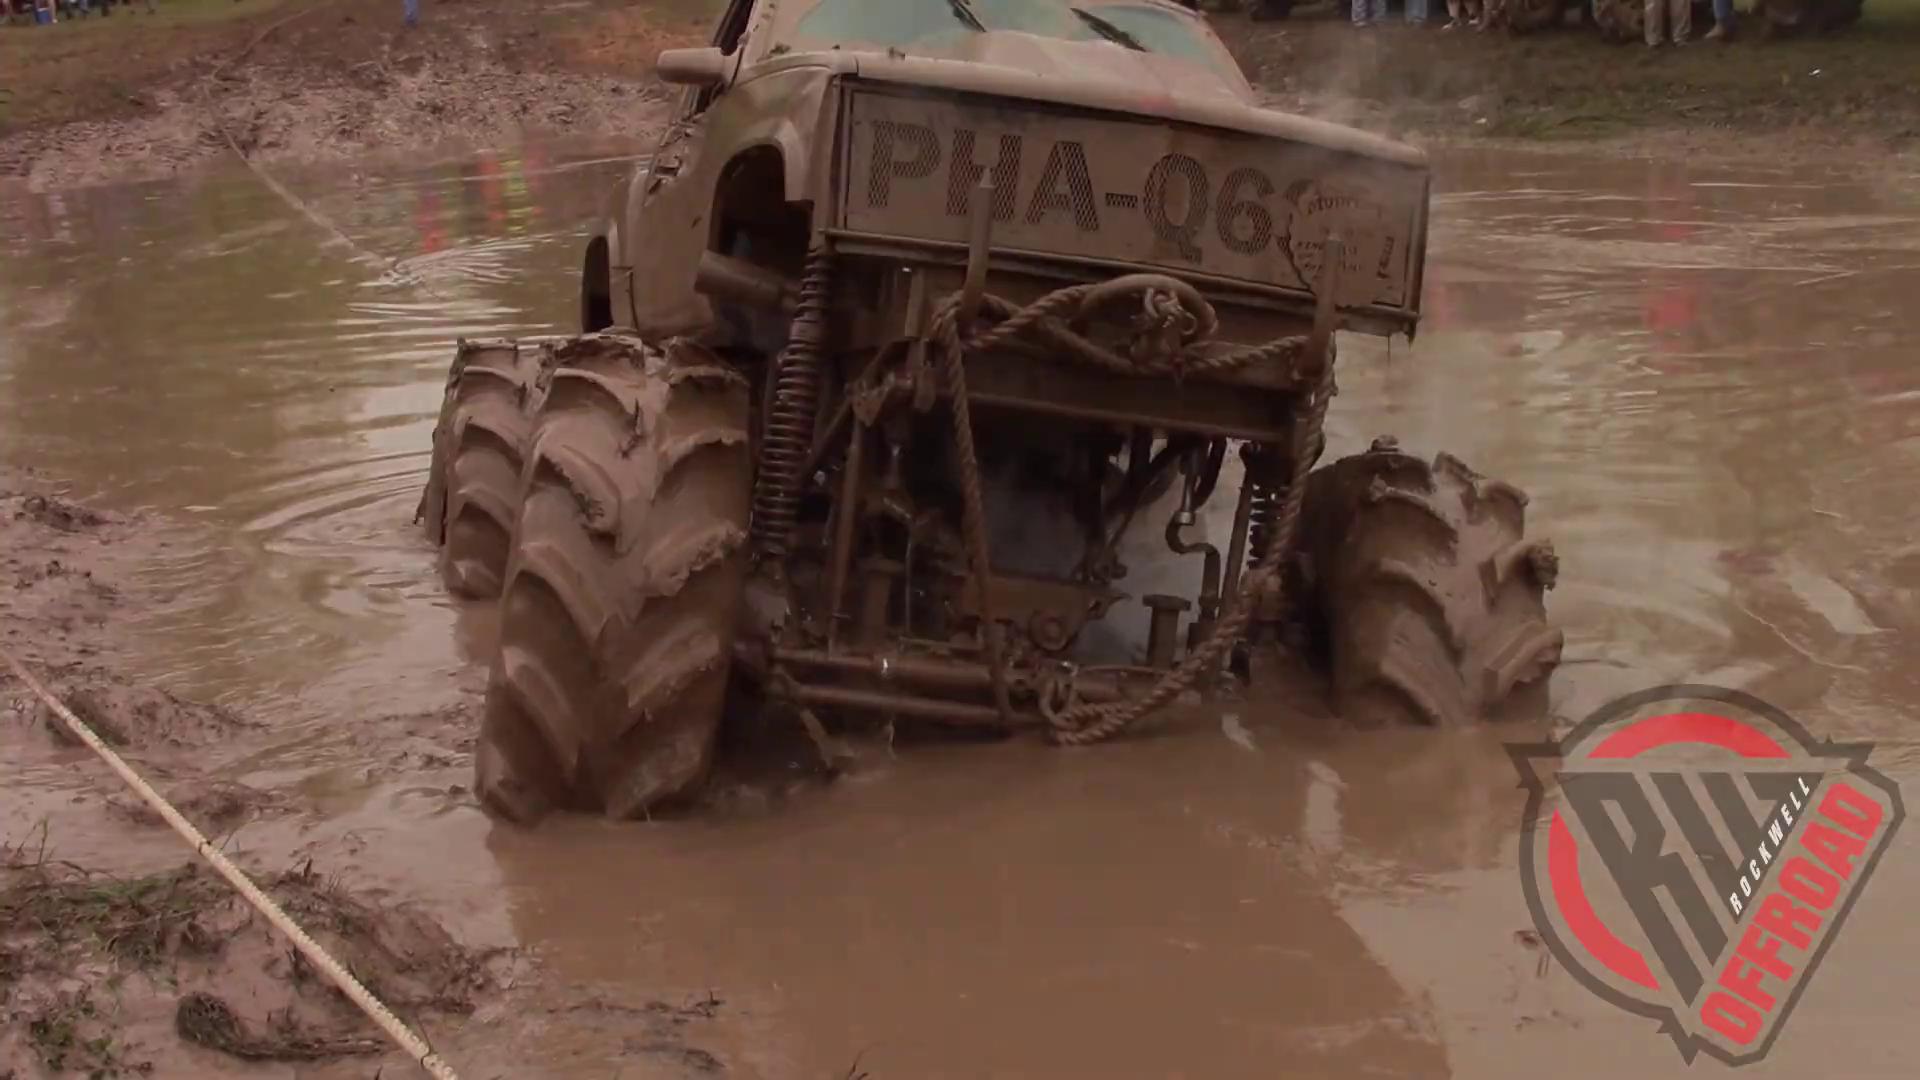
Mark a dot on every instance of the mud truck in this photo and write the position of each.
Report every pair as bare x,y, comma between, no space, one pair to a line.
916,314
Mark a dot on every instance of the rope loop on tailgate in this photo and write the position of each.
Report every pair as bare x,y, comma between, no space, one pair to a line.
1170,336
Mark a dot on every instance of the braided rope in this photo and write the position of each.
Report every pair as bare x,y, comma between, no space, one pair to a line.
1093,722
1043,320
396,1029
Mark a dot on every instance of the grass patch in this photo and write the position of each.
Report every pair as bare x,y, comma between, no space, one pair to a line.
60,1034
134,920
82,953
1569,83
60,906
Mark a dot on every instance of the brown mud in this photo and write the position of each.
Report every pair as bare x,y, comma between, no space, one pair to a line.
98,969
321,80
133,959
1701,372
112,974
318,80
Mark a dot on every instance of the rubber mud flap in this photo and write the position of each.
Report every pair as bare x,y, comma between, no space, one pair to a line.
623,588
1425,590
479,447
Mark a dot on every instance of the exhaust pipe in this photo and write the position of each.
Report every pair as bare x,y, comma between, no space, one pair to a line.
724,277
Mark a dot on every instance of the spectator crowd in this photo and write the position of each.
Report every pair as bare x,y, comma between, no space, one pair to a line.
1659,22
52,11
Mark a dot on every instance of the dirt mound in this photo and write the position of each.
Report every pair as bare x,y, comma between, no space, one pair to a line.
627,40
291,114
125,714
58,513
59,562
211,805
345,79
90,964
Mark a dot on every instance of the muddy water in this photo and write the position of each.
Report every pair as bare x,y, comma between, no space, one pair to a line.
1704,376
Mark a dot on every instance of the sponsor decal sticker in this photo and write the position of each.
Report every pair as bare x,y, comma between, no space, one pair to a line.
1690,853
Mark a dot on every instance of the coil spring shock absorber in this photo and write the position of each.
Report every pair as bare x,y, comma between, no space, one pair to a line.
1263,505
788,438
1267,472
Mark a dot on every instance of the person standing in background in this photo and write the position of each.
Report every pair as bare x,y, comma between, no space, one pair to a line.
1722,21
1416,12
1368,12
410,10
1669,19
1461,11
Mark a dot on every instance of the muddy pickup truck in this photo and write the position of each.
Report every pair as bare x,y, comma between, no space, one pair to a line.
916,311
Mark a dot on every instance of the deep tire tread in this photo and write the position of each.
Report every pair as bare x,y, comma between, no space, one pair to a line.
628,561
479,448
1429,595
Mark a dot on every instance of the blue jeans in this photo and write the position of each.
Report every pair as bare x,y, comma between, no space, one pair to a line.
1417,10
412,9
1723,13
1369,10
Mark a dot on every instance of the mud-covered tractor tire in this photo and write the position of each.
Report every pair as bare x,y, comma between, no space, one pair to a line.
479,446
623,589
1427,594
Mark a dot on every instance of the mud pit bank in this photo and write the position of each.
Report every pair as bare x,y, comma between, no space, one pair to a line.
96,968
1849,91
121,955
110,970
146,97
320,80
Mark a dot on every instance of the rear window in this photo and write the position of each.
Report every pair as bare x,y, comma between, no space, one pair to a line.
940,28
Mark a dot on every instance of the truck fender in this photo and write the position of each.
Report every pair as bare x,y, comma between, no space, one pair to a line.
608,241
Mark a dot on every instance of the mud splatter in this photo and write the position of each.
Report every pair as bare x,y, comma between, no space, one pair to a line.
59,513
138,716
215,805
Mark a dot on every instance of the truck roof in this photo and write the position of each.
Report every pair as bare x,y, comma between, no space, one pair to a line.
1144,57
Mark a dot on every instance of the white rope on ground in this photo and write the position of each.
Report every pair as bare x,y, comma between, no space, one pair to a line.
404,1036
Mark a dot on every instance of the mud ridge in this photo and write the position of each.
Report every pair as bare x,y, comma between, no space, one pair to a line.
108,972
279,116
85,956
343,79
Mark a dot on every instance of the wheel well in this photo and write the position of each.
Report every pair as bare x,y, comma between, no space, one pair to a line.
596,288
752,218
753,221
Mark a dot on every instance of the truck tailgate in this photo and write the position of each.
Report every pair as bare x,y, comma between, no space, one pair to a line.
1122,191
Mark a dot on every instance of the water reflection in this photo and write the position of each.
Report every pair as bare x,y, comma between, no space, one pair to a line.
212,350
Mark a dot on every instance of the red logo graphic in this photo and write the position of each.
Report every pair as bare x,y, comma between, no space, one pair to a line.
1690,853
